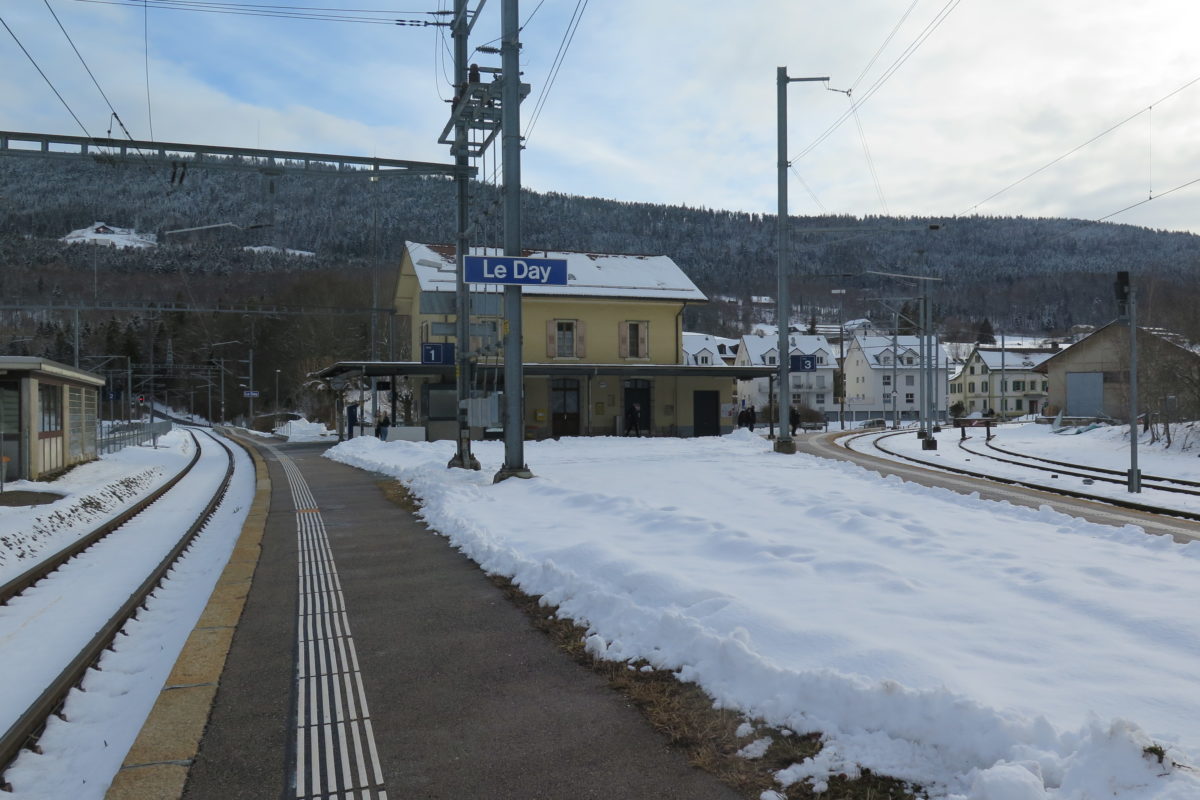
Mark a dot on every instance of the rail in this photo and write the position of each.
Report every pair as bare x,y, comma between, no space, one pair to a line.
25,731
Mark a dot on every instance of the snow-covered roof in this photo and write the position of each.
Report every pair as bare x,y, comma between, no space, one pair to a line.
719,346
266,248
588,274
754,347
875,347
110,236
1012,359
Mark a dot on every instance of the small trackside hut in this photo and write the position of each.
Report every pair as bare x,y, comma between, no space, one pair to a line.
47,417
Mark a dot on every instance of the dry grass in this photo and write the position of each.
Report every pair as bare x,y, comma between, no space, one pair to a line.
398,493
685,715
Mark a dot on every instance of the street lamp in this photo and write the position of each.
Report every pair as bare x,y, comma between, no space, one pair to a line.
277,399
783,314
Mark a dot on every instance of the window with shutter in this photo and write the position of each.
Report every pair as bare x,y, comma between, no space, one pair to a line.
564,338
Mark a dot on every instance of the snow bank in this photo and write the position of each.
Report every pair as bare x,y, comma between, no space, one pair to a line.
301,430
984,651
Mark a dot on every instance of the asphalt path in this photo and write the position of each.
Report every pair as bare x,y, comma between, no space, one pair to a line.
467,699
826,446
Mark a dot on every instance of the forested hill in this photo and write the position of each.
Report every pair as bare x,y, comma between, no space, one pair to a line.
1023,274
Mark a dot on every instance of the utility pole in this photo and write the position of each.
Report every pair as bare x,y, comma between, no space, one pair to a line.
895,374
841,355
1127,311
514,377
463,457
150,394
783,305
1003,381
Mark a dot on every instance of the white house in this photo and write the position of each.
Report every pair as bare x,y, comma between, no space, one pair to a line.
878,370
703,350
813,390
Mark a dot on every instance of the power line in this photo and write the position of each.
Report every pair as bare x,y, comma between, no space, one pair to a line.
91,75
268,6
490,42
563,47
1148,199
912,48
62,100
146,50
862,135
83,61
811,193
1079,147
247,11
883,46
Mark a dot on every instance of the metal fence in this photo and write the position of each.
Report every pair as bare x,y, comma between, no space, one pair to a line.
113,436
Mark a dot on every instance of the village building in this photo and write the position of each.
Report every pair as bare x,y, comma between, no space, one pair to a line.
705,350
809,389
612,337
1000,382
883,377
1090,379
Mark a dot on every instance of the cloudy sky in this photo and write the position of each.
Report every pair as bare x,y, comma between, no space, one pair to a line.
674,102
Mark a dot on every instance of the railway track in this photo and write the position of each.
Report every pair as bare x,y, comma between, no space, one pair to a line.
1161,483
1050,466
73,595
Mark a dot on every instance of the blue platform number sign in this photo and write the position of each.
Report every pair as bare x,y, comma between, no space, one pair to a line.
804,363
514,270
441,353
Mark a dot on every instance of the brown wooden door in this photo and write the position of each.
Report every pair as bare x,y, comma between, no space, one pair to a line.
564,407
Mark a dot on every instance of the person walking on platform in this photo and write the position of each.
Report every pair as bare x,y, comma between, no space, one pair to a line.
382,425
633,420
751,418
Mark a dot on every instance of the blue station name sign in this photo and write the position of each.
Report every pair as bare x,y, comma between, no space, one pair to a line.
516,270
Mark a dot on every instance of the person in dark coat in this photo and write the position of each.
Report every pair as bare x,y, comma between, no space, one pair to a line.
633,420
794,419
751,418
381,427
742,418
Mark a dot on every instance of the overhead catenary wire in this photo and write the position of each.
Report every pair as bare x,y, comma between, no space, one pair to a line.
1079,147
350,16
808,189
879,82
275,6
883,46
556,65
146,42
489,42
862,136
83,61
46,78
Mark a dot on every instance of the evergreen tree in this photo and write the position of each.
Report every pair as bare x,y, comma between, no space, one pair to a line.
985,335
